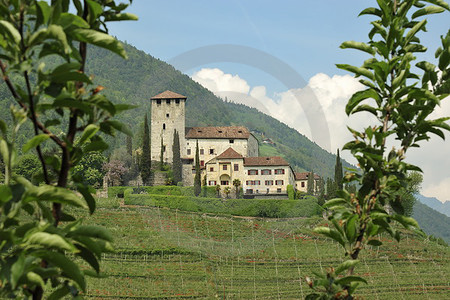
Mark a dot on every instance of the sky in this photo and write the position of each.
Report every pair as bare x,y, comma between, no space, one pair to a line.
280,56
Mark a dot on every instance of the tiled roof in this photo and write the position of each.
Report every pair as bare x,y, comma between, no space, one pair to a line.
304,176
169,95
220,132
229,153
265,161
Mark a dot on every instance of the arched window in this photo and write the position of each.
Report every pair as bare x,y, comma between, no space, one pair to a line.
164,126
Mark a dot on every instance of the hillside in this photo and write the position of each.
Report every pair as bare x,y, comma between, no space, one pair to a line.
134,81
443,208
432,221
171,254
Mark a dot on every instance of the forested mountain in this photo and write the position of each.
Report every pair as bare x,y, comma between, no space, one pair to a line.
136,80
432,221
435,204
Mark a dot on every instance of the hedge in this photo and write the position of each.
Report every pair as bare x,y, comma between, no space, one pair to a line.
241,207
207,191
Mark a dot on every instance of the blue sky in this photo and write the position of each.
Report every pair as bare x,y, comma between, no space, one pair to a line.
302,35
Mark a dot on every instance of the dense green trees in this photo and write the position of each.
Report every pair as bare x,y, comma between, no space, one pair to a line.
146,164
338,172
90,169
43,54
310,184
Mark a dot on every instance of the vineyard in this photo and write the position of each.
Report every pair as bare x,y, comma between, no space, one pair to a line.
163,253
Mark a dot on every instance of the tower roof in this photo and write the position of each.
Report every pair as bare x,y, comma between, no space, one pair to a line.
168,95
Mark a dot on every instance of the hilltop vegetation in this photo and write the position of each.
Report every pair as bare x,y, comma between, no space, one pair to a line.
142,76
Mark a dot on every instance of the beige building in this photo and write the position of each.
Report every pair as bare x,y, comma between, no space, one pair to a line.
167,115
301,181
267,175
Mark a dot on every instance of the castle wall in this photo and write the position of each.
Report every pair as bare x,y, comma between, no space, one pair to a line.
213,147
167,115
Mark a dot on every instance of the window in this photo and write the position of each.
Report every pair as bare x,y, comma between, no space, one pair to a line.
211,151
224,182
279,171
231,141
188,151
249,191
257,182
212,182
202,151
164,148
266,172
177,101
211,169
269,182
278,190
168,101
252,172
236,167
303,184
164,126
279,182
158,101
202,163
167,115
225,167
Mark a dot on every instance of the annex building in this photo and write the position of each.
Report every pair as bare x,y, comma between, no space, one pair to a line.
226,153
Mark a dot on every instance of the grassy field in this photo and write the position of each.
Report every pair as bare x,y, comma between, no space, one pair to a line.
164,254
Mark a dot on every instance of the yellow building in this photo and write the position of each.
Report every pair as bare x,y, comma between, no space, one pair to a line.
301,181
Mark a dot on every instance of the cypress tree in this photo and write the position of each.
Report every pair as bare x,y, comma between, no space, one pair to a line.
176,163
146,160
129,145
310,187
338,172
197,179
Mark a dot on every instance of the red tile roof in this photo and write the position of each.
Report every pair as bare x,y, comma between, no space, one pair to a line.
220,132
229,154
169,95
265,161
304,176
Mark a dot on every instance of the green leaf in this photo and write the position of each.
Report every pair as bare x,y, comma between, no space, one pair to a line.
123,107
427,11
346,265
371,11
331,233
35,278
335,202
99,39
88,133
357,71
349,279
50,240
120,127
121,17
405,221
69,268
375,243
92,231
43,11
3,127
53,194
350,228
358,97
95,10
17,270
90,201
59,293
54,32
89,257
441,3
7,29
34,142
411,33
358,45
67,20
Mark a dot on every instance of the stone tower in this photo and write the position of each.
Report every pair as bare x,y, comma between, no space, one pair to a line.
168,114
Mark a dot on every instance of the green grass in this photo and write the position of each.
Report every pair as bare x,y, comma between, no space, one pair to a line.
167,253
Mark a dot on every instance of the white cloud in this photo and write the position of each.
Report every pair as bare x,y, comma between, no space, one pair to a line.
332,93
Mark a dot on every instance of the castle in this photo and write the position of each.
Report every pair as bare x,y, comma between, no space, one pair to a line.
226,153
